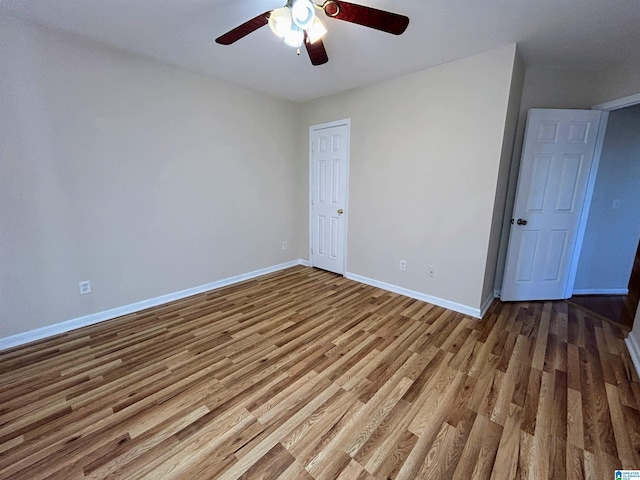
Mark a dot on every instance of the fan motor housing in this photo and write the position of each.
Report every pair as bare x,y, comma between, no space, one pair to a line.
331,8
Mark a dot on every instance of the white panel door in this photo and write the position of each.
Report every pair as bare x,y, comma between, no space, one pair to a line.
329,169
556,164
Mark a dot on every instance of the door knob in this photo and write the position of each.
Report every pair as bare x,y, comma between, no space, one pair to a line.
521,222
340,212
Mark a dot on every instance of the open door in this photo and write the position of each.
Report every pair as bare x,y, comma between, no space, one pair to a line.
556,172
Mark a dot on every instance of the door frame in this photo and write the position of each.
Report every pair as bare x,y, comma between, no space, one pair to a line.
605,108
584,213
616,104
322,126
586,208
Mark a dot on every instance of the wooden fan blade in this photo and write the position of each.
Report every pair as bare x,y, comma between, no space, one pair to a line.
316,51
245,29
366,16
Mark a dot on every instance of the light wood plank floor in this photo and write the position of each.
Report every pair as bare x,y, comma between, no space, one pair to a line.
620,309
303,374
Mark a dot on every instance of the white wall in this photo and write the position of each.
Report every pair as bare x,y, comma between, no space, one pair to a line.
618,82
143,178
501,224
611,237
425,160
558,89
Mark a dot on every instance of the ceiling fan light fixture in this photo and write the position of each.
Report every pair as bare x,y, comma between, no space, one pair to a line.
331,8
316,31
280,21
294,37
297,24
303,13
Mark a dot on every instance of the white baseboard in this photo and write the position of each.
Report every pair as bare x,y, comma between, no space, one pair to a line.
633,344
486,304
600,291
73,324
458,307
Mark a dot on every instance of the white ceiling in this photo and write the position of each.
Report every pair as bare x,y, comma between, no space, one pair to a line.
587,35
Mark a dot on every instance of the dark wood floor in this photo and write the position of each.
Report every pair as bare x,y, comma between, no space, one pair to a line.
620,309
303,374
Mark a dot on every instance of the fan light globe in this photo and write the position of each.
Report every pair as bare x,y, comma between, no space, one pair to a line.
280,21
316,31
294,37
303,13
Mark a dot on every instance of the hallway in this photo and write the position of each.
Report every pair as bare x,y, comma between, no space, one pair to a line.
620,309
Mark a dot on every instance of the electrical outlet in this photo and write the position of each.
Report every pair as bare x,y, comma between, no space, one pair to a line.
285,245
431,272
85,287
403,265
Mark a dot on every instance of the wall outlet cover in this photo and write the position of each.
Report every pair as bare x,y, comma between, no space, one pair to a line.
85,287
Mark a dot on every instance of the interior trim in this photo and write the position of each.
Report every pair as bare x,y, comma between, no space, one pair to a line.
600,291
633,344
618,103
68,325
440,302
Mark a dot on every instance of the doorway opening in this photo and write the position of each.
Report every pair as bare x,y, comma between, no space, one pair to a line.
619,309
329,145
608,283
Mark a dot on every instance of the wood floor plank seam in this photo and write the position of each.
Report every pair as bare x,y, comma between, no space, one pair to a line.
304,374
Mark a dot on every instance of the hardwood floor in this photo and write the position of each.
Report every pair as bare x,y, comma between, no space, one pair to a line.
303,374
620,309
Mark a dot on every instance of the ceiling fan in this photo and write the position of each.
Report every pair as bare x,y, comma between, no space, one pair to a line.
297,23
